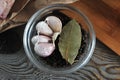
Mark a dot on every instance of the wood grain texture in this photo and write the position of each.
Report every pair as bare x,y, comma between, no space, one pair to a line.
105,17
104,65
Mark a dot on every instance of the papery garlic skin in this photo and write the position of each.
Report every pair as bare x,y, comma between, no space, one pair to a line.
54,23
54,37
44,49
43,28
40,38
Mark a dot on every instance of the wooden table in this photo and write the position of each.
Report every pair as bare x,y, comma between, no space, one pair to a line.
14,64
104,65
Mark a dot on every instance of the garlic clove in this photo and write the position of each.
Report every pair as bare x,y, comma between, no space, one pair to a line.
43,28
40,38
43,38
44,49
54,23
34,39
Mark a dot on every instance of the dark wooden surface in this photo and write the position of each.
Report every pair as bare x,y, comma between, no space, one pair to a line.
104,65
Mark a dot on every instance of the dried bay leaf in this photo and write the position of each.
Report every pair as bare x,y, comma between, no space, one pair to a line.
70,41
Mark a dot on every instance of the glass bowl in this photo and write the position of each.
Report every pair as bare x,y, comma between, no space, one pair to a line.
71,12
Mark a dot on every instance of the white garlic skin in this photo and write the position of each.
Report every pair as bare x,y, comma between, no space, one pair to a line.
43,28
44,49
54,37
40,38
54,23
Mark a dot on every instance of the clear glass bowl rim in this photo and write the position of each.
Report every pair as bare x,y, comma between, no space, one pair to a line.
26,41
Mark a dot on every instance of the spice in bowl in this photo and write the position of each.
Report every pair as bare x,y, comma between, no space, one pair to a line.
54,35
56,41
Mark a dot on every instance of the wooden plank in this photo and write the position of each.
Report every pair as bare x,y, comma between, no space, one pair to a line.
105,18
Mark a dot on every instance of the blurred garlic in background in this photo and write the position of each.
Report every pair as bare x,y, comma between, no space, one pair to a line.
20,13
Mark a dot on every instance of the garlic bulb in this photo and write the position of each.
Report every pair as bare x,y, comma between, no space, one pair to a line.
43,28
44,49
50,27
40,38
54,23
